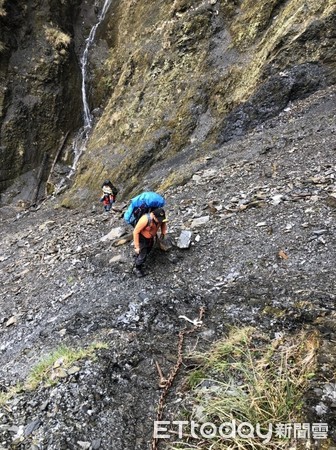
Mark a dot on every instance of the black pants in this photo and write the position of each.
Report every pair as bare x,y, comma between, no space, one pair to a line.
146,246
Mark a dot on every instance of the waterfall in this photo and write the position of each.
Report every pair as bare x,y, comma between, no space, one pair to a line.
84,60
80,141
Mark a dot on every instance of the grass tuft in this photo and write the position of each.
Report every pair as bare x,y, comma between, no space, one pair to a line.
249,378
52,368
61,359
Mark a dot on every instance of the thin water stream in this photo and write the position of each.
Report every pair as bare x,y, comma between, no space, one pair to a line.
80,141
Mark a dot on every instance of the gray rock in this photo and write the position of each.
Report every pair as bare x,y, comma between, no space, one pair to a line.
32,426
14,429
116,259
44,405
95,445
115,233
199,221
319,232
321,409
184,239
165,244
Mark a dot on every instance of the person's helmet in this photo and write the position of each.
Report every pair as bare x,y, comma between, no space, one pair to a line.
107,182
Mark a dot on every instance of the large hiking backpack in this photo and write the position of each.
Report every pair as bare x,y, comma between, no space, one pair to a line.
114,190
142,204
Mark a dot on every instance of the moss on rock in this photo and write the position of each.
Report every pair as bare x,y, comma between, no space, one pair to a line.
171,77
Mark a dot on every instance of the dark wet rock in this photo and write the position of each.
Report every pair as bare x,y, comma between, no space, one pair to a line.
33,119
273,97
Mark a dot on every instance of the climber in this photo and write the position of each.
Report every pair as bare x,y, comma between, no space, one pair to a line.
145,234
109,195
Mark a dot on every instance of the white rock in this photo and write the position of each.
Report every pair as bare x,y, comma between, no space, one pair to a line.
84,445
276,199
184,239
11,321
46,224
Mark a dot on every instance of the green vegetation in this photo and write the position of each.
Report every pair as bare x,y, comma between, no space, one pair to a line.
162,73
195,378
250,378
63,357
52,367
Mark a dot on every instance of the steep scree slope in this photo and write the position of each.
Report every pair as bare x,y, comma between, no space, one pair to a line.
265,257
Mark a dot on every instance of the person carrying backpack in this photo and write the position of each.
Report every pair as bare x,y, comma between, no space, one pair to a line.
144,234
109,195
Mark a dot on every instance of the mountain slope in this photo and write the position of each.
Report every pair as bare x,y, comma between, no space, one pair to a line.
187,76
162,79
264,258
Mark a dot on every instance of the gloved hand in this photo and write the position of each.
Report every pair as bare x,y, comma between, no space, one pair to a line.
137,251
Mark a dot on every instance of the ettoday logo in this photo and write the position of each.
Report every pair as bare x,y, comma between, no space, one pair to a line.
242,430
208,430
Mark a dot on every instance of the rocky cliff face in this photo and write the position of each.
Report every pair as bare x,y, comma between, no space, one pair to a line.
183,77
39,83
168,82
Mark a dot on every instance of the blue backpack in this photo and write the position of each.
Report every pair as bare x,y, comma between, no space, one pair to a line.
142,204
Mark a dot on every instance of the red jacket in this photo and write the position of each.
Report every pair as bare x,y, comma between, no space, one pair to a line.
107,199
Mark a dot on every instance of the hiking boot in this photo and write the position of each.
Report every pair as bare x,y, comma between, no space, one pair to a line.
138,272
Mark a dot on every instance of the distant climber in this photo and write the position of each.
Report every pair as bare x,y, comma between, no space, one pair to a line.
109,195
145,234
